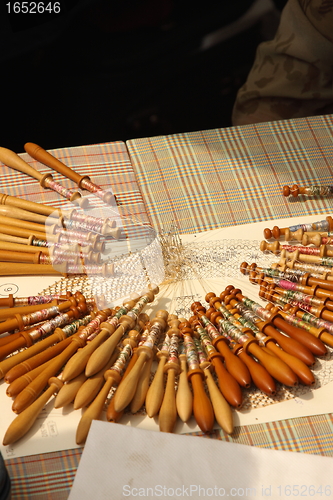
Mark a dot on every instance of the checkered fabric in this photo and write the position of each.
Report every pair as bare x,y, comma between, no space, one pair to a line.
225,177
108,166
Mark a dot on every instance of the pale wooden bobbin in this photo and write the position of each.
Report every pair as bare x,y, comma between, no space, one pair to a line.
23,422
222,410
111,414
168,415
127,388
184,397
92,385
100,356
155,391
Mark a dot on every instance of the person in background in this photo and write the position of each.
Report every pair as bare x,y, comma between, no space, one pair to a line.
292,75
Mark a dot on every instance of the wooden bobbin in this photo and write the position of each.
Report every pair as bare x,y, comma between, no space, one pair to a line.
94,410
68,391
288,344
26,215
43,156
320,333
9,312
222,410
155,391
168,414
202,407
46,158
111,414
300,368
26,338
112,377
142,385
294,190
184,397
277,232
20,383
32,391
14,244
127,388
30,206
23,422
259,375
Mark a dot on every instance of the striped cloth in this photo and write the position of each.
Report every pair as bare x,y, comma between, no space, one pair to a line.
108,166
225,177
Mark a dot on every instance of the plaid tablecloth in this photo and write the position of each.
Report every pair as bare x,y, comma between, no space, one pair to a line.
108,166
224,177
200,180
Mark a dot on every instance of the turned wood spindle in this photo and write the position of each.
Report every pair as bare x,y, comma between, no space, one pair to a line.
32,391
155,391
202,407
222,410
111,414
92,385
26,419
297,365
167,416
14,361
322,225
315,190
127,387
112,377
77,363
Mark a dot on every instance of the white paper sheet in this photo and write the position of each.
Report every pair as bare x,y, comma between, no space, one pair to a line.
118,462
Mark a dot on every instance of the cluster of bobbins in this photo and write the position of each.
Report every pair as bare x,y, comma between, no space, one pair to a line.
37,239
299,291
112,361
52,242
301,282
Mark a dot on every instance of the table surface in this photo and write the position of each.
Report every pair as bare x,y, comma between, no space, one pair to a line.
198,181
